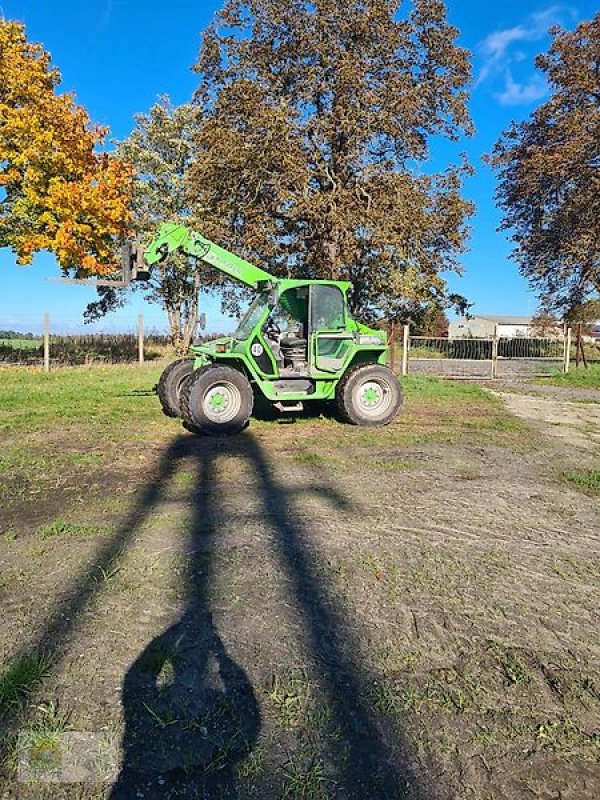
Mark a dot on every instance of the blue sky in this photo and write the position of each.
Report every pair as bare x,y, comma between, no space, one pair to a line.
119,55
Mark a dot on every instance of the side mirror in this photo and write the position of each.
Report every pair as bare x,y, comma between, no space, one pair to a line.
202,321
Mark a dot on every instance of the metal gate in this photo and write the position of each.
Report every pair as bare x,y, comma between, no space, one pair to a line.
483,358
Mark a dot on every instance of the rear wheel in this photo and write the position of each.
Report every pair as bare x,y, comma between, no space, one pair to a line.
217,399
369,395
170,384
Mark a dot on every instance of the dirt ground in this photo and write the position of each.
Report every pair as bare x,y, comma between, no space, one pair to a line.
311,610
572,416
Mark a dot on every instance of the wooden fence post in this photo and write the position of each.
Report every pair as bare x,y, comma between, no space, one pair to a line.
46,342
141,339
392,346
405,346
495,355
568,335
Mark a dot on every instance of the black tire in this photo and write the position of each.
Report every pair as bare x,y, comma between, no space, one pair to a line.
217,399
170,385
369,395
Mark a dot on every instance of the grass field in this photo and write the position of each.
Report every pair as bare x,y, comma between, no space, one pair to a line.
578,378
21,344
307,611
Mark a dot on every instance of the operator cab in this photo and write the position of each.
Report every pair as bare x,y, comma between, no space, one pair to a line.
306,330
286,331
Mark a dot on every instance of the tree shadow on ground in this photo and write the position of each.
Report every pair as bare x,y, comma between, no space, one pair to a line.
365,763
191,713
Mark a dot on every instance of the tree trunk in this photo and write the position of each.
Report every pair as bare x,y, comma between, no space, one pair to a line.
192,311
183,316
174,315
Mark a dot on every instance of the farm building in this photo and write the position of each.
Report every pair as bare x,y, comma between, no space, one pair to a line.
507,327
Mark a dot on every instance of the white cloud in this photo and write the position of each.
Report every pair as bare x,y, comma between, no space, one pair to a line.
497,48
519,94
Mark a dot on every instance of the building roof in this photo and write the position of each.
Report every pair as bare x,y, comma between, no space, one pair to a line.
502,320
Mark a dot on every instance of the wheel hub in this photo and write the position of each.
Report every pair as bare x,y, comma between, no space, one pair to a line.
373,397
218,401
222,402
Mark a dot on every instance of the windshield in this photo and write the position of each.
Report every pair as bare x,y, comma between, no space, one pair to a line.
251,318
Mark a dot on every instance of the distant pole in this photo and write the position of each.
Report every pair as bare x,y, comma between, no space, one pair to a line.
495,354
568,335
141,339
405,345
46,342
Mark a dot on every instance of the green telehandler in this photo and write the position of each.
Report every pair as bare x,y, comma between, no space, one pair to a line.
296,344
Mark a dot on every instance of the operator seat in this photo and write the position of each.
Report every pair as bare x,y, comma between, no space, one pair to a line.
294,350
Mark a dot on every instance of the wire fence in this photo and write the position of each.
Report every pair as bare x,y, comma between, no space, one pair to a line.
84,349
70,343
57,342
63,343
543,349
430,347
438,356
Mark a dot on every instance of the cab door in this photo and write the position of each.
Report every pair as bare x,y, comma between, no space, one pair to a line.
329,339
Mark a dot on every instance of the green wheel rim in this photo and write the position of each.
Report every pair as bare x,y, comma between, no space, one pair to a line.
222,402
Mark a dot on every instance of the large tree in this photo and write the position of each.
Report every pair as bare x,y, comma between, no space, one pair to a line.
549,174
160,151
58,192
315,118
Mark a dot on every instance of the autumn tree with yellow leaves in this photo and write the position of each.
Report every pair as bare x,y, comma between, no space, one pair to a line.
57,191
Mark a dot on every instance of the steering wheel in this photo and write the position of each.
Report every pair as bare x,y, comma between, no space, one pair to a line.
272,328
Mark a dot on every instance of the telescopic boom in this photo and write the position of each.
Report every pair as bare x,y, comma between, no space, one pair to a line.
179,238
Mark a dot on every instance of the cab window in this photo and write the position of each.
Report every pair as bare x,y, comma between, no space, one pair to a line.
326,308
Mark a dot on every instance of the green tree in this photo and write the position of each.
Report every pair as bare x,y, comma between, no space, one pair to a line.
424,319
587,313
545,325
160,149
548,169
314,118
434,322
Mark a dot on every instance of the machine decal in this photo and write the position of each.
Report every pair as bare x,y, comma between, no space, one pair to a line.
261,357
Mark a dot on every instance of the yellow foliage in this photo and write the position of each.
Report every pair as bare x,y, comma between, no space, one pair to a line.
57,192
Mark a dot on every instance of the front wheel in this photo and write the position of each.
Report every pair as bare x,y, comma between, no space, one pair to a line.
369,395
216,399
